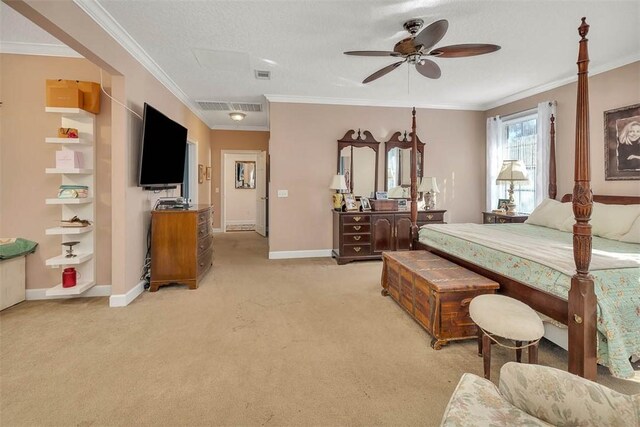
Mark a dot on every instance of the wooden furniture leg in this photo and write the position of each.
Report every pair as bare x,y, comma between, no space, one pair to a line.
486,355
533,354
518,351
480,337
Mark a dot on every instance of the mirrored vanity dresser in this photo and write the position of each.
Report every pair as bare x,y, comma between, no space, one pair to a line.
365,235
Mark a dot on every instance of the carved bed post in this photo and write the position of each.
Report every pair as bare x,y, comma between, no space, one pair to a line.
553,188
414,179
582,298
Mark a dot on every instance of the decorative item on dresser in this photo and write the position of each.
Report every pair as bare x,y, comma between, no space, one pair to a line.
181,246
512,171
362,236
339,184
429,189
502,218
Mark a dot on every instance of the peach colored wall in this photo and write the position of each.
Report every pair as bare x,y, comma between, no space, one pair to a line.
303,151
230,140
24,126
610,90
133,85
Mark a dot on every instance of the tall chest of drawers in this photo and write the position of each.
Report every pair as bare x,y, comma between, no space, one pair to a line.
365,235
181,246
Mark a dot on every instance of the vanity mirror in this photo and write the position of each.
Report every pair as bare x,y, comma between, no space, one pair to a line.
358,162
397,164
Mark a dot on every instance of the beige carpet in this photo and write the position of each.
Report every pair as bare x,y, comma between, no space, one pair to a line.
280,342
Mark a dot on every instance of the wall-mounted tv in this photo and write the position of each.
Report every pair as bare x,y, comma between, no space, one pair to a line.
164,144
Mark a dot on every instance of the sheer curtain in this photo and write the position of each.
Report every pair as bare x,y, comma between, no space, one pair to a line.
494,144
545,110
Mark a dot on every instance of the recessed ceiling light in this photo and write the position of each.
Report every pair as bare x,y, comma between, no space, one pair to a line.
237,115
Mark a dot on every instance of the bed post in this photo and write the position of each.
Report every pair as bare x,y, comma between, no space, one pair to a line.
553,188
414,179
582,299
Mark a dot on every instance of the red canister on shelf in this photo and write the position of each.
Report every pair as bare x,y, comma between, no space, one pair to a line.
69,277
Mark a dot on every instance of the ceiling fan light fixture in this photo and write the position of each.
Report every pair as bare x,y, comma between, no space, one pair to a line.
237,116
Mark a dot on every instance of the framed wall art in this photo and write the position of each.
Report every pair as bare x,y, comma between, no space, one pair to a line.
622,143
200,174
208,173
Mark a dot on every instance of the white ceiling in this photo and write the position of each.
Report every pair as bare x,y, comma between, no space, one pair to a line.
210,49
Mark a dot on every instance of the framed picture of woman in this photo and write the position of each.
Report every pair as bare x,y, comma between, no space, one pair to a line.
350,202
365,204
622,143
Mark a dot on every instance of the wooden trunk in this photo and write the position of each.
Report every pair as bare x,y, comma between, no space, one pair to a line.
435,292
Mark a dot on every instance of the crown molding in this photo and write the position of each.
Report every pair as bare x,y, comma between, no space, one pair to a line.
38,49
247,128
104,19
367,102
567,80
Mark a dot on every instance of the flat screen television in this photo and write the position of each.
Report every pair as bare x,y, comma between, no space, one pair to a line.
164,144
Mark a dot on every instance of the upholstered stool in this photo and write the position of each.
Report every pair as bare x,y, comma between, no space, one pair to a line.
504,317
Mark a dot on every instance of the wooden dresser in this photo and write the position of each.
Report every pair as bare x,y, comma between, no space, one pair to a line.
181,246
364,235
435,292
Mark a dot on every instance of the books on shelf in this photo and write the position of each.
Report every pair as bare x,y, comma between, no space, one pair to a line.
73,191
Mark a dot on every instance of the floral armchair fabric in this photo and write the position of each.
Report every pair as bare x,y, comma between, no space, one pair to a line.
534,395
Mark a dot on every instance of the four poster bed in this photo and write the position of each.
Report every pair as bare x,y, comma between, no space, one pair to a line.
568,297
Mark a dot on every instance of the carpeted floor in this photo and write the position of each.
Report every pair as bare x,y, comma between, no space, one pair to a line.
261,342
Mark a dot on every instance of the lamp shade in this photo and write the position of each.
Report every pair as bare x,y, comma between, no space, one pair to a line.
338,183
512,170
428,185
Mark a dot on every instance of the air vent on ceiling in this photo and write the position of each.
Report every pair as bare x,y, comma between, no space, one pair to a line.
230,106
263,75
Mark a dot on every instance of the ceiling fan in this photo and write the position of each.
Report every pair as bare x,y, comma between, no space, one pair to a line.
415,47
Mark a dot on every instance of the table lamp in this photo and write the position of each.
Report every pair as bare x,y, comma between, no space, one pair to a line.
339,184
429,188
512,171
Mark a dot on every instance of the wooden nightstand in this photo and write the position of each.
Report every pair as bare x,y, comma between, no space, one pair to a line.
497,218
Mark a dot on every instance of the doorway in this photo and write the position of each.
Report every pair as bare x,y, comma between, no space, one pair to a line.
189,189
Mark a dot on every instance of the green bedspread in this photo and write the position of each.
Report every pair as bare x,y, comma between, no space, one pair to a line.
617,289
17,248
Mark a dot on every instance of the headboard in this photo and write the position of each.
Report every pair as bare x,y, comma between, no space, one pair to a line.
609,200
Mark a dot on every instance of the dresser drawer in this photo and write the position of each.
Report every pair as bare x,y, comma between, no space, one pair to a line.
436,216
488,218
203,230
356,218
357,228
357,250
204,244
204,261
204,216
357,238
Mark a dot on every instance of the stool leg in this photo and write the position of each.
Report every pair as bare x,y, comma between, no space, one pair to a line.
533,354
480,335
518,351
486,355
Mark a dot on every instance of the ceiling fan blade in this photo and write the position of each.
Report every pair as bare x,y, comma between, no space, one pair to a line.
431,35
381,72
461,50
372,53
428,68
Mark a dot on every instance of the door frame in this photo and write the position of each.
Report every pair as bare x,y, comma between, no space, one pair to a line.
223,184
192,168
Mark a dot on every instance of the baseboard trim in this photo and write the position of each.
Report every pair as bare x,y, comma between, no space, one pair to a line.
318,253
123,300
95,291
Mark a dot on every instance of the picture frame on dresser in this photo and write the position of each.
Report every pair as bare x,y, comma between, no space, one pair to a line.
365,204
403,205
502,204
350,202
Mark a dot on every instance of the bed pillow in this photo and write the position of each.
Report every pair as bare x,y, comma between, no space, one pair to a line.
633,236
551,213
613,221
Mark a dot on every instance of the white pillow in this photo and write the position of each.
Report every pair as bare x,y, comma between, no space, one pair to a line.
551,213
633,236
613,221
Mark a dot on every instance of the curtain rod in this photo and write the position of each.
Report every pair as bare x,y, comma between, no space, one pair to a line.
523,112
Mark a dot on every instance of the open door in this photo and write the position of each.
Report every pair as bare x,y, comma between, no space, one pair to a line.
261,193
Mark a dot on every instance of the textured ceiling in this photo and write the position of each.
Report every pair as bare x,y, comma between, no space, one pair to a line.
210,49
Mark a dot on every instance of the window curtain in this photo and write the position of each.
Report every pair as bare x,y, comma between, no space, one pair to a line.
545,110
494,136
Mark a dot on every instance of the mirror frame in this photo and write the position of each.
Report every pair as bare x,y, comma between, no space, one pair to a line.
404,143
243,163
359,141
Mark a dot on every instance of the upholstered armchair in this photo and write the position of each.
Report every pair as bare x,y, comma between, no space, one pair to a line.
534,395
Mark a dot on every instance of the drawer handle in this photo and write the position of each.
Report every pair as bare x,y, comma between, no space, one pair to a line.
502,220
357,237
357,218
465,302
357,227
429,216
357,248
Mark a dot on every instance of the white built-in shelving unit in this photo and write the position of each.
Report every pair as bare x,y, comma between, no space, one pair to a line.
83,208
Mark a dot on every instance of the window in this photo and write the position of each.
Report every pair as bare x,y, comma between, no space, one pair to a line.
518,141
